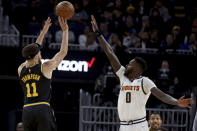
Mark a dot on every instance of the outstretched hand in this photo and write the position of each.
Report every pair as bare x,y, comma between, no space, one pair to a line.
63,23
94,24
185,102
44,31
47,25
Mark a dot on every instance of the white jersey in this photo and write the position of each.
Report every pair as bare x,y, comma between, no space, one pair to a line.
133,96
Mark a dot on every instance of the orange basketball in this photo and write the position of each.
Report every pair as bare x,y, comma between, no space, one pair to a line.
65,9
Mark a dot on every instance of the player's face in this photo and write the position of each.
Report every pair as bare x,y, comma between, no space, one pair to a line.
155,121
20,127
130,68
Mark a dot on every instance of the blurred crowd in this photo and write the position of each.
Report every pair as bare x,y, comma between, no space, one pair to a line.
169,24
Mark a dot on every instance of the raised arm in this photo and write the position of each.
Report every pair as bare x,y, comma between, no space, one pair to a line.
181,102
115,63
50,65
44,31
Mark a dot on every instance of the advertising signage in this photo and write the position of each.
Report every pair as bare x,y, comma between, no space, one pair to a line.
74,66
80,65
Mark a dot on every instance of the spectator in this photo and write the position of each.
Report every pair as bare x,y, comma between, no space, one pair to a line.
99,84
144,40
130,24
156,20
19,127
115,41
132,39
163,11
83,37
167,43
118,4
118,21
194,27
36,15
191,43
58,36
79,20
90,43
154,39
86,4
155,123
142,9
108,18
145,25
131,11
164,78
104,30
178,38
164,70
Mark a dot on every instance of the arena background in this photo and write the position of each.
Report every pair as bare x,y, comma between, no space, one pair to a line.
21,21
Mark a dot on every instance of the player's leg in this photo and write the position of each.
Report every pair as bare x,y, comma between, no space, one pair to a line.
135,127
195,123
124,127
46,120
144,126
28,118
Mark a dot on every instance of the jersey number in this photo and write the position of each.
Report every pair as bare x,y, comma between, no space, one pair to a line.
128,97
34,94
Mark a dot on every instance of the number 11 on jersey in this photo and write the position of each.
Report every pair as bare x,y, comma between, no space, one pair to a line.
34,94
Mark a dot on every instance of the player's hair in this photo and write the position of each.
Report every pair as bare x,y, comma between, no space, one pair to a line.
142,63
31,50
155,113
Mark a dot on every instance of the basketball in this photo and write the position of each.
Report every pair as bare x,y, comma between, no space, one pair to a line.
65,9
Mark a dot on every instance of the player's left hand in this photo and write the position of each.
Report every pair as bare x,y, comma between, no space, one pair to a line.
94,24
185,102
47,25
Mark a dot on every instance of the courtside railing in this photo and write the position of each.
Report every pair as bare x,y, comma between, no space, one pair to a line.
97,118
9,35
11,38
28,39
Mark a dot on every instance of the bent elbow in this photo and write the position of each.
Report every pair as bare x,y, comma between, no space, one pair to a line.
63,52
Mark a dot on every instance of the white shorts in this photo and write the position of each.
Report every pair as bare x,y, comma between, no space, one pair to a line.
143,126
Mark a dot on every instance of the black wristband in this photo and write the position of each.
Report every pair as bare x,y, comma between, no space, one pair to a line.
39,46
98,33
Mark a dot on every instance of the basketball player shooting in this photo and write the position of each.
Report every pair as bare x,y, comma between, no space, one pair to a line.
135,89
35,79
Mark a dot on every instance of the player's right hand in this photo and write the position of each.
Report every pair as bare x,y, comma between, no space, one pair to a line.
94,24
63,23
47,25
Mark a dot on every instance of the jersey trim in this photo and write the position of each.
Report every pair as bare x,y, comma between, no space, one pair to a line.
37,103
41,67
131,122
143,87
21,71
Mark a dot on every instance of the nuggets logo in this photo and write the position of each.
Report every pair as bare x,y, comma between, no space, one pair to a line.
135,88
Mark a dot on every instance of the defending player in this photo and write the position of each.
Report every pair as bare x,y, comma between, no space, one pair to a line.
35,78
135,89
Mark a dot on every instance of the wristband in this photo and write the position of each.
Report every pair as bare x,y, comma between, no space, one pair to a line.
98,33
39,46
